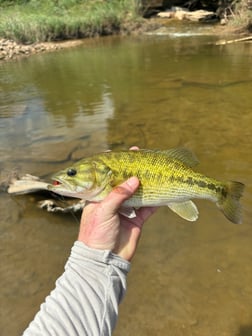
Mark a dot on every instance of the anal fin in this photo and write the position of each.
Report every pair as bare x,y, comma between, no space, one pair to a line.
186,210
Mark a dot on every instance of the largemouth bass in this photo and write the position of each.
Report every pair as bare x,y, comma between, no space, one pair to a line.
166,178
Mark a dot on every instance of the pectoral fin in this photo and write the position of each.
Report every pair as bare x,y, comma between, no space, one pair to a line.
127,212
186,210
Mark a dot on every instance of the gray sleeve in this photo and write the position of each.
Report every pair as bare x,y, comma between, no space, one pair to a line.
85,300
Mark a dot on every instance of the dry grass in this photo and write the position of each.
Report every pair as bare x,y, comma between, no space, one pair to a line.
241,16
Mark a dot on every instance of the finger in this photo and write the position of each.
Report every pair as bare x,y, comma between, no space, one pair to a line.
145,213
121,193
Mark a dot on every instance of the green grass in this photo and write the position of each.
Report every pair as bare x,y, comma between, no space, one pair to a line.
49,20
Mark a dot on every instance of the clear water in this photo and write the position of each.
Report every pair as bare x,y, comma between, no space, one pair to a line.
155,91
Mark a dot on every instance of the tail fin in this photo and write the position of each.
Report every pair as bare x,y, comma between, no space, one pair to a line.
229,203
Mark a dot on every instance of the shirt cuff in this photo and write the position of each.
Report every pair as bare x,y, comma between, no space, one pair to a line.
84,253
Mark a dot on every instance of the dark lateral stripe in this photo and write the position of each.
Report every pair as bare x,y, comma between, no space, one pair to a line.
190,181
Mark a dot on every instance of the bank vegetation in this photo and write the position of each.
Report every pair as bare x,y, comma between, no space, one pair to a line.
29,21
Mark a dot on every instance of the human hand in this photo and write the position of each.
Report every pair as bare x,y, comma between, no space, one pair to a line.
102,227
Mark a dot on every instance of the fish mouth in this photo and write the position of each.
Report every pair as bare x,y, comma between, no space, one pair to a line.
58,183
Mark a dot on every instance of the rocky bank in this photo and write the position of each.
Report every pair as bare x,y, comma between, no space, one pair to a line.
10,49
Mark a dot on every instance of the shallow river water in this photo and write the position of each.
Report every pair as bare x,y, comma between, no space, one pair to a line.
157,91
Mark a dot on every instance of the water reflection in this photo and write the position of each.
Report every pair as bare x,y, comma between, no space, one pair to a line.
157,92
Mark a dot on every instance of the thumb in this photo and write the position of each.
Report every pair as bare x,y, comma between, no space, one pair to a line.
121,193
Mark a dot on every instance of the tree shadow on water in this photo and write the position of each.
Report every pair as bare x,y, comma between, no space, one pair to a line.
245,331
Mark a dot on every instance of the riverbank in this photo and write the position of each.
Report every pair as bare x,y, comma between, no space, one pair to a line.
30,27
10,49
35,26
33,21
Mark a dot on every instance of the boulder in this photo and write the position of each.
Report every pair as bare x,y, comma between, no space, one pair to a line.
180,13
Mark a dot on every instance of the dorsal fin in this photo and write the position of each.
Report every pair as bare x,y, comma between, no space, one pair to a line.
184,155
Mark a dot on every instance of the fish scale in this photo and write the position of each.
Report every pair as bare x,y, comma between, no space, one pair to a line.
160,177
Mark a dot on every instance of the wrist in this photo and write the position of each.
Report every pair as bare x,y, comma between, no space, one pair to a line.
93,243
83,252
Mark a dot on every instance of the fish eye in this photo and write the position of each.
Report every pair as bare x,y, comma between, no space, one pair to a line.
71,172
